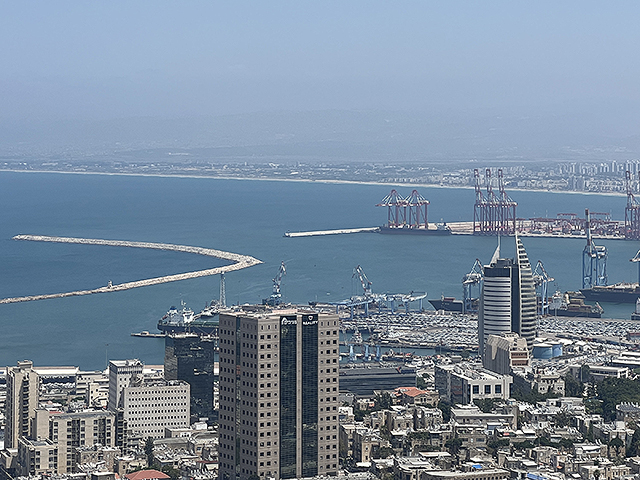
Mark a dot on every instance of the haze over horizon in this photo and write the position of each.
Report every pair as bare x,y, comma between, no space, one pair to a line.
424,79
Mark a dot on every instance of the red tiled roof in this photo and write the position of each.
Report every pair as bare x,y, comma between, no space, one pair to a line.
147,475
410,391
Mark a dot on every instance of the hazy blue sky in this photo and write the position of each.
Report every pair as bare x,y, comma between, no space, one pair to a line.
122,58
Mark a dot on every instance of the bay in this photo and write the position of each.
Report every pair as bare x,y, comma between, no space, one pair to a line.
241,216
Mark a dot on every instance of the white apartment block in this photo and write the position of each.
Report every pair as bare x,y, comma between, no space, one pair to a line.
150,407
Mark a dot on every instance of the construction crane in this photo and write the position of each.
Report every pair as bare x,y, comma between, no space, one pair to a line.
541,281
276,296
594,259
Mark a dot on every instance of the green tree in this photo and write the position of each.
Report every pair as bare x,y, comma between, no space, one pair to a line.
634,444
616,445
613,391
384,452
148,450
421,383
523,445
494,445
453,445
445,408
485,404
589,435
572,386
565,443
174,473
562,419
358,415
383,401
385,433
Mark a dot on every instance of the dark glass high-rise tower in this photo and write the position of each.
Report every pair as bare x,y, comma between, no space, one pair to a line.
190,357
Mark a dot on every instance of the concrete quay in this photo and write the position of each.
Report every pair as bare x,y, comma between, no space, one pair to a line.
239,262
318,233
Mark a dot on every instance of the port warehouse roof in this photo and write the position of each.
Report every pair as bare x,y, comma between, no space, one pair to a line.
363,381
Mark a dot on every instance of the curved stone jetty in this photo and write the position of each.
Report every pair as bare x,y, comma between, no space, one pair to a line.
239,262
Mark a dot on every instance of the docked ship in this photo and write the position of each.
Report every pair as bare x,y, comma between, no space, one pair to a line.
441,229
452,304
448,304
210,310
184,320
571,304
618,293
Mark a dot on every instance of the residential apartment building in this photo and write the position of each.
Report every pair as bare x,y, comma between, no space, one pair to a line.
23,386
151,406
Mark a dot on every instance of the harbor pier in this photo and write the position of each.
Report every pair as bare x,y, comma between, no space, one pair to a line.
239,262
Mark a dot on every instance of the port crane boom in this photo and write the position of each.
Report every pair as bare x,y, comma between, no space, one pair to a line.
276,295
364,281
594,259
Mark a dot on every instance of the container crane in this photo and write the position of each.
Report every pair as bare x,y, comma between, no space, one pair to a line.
541,281
470,280
276,296
594,259
631,212
364,281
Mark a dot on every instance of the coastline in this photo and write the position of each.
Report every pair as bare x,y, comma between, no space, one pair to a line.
306,180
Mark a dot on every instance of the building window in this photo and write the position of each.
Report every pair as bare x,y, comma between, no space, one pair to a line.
476,389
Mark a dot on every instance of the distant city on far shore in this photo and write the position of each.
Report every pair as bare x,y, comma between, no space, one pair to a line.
607,177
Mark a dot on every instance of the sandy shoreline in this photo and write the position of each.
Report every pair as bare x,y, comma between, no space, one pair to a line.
304,180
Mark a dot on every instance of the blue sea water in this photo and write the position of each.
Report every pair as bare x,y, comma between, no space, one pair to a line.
242,216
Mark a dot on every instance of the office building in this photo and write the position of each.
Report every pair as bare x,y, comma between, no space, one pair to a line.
278,394
23,385
462,384
508,299
505,352
190,357
121,373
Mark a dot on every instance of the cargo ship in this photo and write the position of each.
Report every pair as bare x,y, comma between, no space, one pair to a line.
448,304
184,320
452,304
571,304
441,229
618,293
